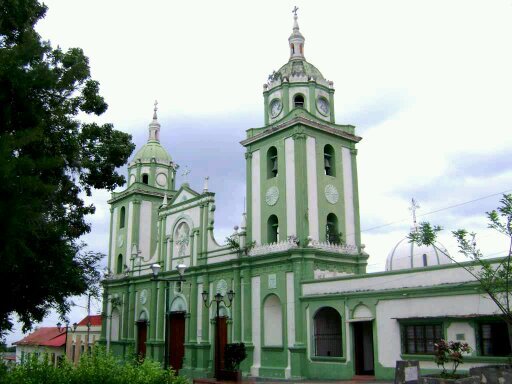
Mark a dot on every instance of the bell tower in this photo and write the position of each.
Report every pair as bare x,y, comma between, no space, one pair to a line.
134,211
301,165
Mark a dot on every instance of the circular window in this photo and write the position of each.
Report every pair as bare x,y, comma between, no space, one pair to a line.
161,179
322,105
275,107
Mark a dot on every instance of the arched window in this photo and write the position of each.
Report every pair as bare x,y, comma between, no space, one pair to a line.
292,48
332,234
145,178
273,229
272,162
329,161
298,101
328,333
122,216
119,267
301,49
114,330
273,321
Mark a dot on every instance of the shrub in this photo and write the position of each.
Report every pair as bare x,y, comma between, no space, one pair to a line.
97,367
446,352
234,354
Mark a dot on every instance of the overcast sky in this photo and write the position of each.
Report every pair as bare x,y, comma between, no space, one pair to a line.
428,85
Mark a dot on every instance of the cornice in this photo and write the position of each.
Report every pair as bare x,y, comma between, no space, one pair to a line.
301,120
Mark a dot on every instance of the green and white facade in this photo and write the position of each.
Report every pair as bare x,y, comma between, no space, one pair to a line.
304,305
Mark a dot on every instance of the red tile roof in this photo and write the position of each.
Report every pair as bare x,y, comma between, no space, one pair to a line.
94,319
45,336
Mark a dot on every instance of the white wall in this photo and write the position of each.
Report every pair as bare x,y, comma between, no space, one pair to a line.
388,311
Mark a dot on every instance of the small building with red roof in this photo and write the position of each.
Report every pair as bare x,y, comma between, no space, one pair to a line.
43,340
83,337
57,342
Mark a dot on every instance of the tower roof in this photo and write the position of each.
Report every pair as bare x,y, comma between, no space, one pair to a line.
153,148
296,40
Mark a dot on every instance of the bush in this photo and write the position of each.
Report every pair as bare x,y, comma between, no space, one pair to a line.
450,352
234,354
97,367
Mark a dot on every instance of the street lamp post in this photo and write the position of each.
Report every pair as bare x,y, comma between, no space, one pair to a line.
181,271
218,298
60,328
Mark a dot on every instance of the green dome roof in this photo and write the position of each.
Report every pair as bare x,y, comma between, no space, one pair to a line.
152,149
300,68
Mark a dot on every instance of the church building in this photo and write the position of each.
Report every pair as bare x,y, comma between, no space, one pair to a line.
292,283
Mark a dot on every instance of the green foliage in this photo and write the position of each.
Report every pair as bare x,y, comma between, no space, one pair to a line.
493,278
49,160
234,354
450,352
233,243
97,367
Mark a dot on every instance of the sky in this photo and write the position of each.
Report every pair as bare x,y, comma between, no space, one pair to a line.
428,85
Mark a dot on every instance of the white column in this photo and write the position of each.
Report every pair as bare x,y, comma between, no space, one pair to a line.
348,194
256,197
291,220
312,187
256,325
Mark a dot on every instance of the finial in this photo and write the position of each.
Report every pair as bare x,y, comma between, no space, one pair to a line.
155,109
154,126
296,40
414,206
185,173
205,187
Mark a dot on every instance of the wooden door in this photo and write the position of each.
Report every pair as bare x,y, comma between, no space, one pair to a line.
176,345
142,333
222,340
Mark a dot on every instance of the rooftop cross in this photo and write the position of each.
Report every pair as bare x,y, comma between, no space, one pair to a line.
414,206
295,9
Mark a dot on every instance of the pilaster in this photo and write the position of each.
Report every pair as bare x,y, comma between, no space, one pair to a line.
248,168
312,98
286,96
301,185
331,104
237,334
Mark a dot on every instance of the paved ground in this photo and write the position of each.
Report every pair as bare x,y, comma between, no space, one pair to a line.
356,380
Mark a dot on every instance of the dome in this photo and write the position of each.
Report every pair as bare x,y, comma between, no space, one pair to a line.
410,255
299,68
152,149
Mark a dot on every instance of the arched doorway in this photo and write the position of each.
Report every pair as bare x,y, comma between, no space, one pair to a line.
142,335
176,331
221,335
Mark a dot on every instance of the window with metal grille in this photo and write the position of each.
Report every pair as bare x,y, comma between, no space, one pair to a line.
494,339
328,333
420,338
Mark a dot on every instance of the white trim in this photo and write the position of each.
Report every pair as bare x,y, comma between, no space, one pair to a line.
113,239
256,325
129,226
348,195
256,197
290,317
312,187
145,225
291,220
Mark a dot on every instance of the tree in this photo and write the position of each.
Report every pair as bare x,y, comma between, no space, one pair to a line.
493,276
49,160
